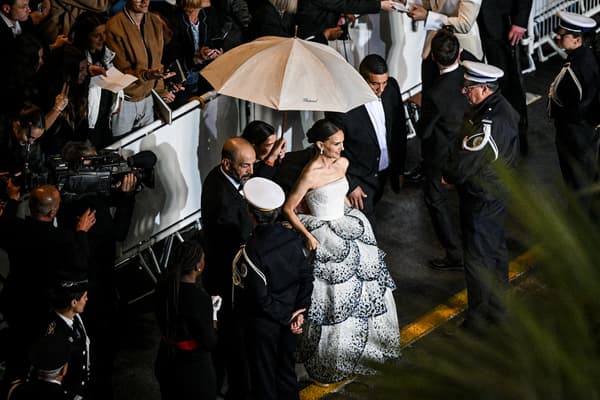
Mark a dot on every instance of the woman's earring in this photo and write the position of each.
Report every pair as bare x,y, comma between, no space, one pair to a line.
322,151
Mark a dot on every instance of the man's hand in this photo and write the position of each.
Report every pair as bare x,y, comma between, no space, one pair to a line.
96,70
446,184
297,321
356,198
13,191
127,185
333,33
157,73
387,5
417,12
86,221
397,183
516,34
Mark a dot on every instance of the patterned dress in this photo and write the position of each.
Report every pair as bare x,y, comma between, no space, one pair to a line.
352,320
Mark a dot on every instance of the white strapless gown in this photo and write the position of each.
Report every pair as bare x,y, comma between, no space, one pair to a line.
352,320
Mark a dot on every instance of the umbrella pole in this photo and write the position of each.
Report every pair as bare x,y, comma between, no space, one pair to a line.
283,121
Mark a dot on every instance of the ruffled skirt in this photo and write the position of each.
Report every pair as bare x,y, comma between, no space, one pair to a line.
352,320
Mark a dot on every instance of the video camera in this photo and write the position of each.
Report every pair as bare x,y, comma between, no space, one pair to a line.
100,174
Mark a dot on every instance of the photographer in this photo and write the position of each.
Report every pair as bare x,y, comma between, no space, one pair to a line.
111,227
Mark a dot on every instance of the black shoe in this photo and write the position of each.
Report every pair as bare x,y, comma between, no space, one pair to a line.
414,176
444,264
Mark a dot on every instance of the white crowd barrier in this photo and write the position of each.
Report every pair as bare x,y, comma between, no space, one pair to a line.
543,21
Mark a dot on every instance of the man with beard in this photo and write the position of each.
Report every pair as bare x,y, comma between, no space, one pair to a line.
227,224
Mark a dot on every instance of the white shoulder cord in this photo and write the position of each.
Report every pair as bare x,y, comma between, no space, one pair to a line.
552,91
240,270
478,141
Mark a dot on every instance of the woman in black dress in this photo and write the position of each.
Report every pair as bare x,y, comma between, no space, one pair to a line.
184,367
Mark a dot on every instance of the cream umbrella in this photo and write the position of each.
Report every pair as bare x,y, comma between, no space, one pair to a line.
289,74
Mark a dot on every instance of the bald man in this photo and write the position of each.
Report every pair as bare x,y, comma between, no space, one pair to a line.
38,253
226,222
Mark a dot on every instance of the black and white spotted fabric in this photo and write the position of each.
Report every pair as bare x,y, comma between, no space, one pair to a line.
352,320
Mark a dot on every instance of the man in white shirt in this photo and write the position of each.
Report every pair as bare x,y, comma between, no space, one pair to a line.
375,141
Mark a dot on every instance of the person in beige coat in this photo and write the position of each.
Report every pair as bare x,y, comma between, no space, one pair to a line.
137,38
461,15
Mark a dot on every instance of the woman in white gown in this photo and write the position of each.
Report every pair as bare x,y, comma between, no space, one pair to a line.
352,319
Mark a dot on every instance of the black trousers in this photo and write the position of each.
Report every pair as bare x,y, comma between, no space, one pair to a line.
486,258
185,374
374,190
271,348
436,199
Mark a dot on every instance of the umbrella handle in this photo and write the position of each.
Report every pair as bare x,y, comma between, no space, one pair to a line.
205,98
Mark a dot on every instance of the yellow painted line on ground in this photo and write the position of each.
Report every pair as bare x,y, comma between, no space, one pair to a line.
431,320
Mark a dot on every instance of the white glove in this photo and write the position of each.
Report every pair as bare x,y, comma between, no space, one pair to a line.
216,304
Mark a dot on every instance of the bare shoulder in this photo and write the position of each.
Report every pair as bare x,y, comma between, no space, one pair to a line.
343,163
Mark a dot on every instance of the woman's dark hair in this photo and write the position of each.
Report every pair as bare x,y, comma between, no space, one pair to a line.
257,132
32,117
82,28
321,130
184,259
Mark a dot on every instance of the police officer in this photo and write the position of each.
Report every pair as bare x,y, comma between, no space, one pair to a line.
65,324
49,357
277,281
490,137
573,103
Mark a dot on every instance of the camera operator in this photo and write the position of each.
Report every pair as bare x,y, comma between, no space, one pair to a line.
113,215
38,252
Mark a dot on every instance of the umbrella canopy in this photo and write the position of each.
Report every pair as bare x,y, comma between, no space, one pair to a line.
289,74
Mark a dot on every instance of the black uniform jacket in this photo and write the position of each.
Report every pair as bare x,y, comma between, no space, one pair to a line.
361,146
442,113
226,221
474,171
578,102
285,281
76,380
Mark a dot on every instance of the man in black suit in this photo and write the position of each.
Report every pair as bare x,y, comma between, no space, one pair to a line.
227,224
375,141
442,111
15,21
502,25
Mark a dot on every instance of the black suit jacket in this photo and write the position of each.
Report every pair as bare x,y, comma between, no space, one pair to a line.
227,224
496,17
442,111
361,146
314,16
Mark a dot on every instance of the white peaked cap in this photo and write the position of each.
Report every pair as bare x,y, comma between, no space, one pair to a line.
481,73
575,22
263,194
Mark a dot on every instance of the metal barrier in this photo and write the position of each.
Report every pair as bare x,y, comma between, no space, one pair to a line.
543,20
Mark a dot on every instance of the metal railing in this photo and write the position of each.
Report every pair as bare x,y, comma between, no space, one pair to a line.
543,21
